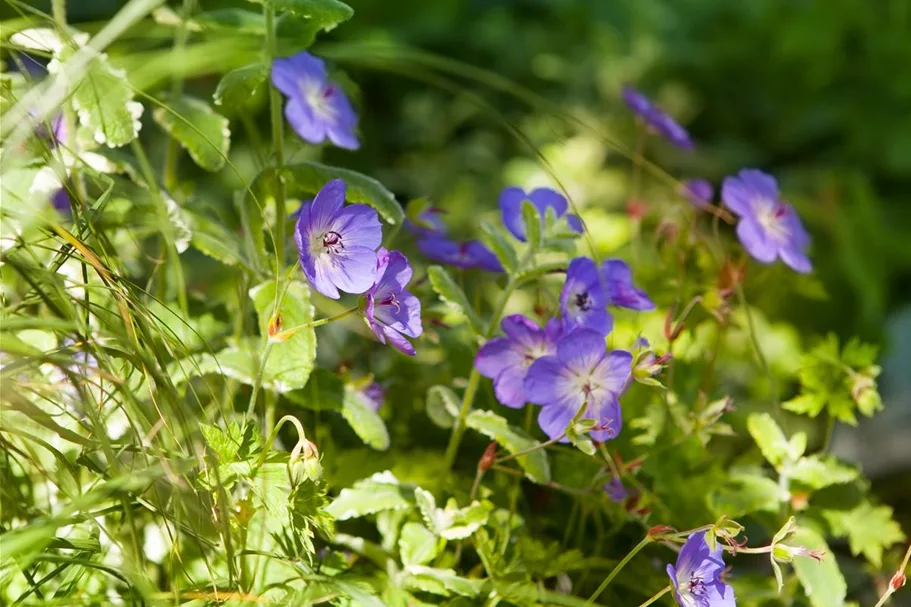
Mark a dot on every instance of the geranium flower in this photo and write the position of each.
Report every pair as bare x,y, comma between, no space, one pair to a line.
471,254
695,579
337,244
618,283
656,119
317,108
511,200
392,312
581,374
698,191
506,359
582,299
428,223
768,227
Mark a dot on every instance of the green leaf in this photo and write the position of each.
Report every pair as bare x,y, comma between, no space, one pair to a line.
745,492
380,492
235,20
452,522
513,440
443,582
291,361
442,406
822,582
325,391
451,294
417,544
818,472
232,444
307,178
533,222
238,87
365,422
869,529
810,404
771,440
327,13
214,240
198,129
105,104
497,242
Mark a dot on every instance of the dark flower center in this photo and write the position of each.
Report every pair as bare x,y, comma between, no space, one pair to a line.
332,242
390,300
779,212
584,301
696,586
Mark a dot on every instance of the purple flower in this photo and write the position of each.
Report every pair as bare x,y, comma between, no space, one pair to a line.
618,282
337,244
581,374
317,108
616,491
374,394
657,120
471,254
695,579
511,200
698,191
768,227
391,310
582,299
428,223
506,359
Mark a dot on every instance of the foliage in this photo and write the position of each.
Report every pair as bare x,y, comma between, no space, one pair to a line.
185,418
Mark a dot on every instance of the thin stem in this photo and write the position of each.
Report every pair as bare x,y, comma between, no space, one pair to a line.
258,382
899,573
289,333
180,42
58,9
657,596
754,341
543,445
278,127
610,577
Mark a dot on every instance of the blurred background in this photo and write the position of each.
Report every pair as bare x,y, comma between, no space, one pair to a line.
817,92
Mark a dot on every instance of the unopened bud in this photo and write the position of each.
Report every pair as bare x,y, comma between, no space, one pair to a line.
659,530
488,458
898,580
786,554
304,463
275,325
636,209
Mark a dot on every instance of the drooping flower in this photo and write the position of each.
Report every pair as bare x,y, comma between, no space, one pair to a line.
618,283
615,491
657,120
581,374
428,223
511,200
317,108
337,243
695,579
769,227
698,191
393,312
582,300
471,254
506,359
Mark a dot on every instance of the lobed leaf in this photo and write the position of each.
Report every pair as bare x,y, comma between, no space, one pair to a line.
202,132
513,440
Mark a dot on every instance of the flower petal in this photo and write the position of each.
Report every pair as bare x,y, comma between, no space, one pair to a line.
605,413
398,341
288,72
739,192
546,382
495,356
521,330
326,205
358,225
511,207
352,269
301,118
755,240
581,351
544,198
509,386
613,371
554,419
796,259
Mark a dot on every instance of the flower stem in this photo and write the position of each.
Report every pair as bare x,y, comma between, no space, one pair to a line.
278,127
754,340
893,584
258,381
543,445
289,333
610,577
657,596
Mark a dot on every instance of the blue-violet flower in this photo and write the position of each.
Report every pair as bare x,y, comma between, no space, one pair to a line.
471,254
511,200
621,292
582,300
656,119
695,580
393,312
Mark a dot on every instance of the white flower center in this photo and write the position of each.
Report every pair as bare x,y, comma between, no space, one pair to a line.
770,215
319,97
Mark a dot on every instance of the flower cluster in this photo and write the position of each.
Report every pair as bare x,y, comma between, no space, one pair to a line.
339,249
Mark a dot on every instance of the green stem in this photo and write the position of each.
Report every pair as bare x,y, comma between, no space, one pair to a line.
258,381
543,445
180,42
289,333
278,126
657,596
58,10
610,577
754,341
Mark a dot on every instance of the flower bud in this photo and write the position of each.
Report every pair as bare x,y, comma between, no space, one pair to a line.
304,463
786,554
897,581
488,458
275,326
659,530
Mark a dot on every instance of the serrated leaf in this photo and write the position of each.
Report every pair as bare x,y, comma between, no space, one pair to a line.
822,582
104,102
442,406
378,493
513,440
417,544
365,422
496,241
533,221
452,522
235,20
238,87
443,582
445,286
810,404
202,132
771,440
214,240
745,492
291,361
869,529
818,472
307,178
327,13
